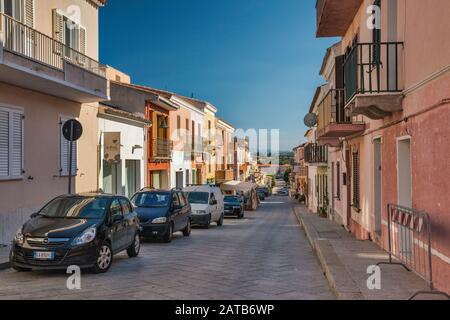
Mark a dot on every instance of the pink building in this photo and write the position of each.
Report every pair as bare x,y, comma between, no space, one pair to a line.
393,70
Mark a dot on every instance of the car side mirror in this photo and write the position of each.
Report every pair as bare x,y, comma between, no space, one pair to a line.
213,202
117,218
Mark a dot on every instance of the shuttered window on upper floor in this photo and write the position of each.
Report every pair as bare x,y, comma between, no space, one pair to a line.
64,152
356,180
72,35
11,144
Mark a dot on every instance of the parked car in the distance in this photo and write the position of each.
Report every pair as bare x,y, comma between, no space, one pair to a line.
234,206
264,190
86,230
162,212
261,195
207,205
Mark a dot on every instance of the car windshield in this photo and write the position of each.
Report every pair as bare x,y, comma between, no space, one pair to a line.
75,208
151,199
231,199
198,197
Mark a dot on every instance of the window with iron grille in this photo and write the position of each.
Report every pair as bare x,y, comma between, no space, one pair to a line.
356,180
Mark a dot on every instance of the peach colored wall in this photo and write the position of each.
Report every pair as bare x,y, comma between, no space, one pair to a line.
41,151
180,139
88,19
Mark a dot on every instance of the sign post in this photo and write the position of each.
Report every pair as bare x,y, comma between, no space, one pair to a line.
72,131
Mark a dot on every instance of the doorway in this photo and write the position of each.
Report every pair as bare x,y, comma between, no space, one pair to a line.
179,180
377,183
112,176
133,177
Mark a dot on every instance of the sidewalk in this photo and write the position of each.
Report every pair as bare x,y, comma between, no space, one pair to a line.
4,257
345,260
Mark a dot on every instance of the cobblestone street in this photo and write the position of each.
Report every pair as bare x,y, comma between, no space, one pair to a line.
264,256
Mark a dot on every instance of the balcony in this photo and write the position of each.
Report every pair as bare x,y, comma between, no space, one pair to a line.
316,155
224,175
161,150
373,79
35,61
334,17
334,121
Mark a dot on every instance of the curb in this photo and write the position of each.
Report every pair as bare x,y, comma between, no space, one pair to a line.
340,281
4,265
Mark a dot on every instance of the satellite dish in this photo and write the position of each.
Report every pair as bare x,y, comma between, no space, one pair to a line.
310,120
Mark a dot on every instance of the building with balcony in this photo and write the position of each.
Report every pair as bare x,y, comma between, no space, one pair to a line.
225,151
396,75
49,74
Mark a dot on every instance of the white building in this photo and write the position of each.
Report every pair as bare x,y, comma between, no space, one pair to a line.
122,151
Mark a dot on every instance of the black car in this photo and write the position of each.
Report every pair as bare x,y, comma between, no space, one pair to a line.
234,206
261,195
163,212
84,230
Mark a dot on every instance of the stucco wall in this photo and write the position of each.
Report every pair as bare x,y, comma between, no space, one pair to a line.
42,179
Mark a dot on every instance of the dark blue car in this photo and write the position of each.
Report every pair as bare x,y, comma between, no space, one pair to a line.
234,206
163,212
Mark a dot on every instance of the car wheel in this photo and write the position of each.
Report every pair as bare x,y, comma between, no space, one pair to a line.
220,222
208,224
104,258
169,234
20,269
187,230
133,250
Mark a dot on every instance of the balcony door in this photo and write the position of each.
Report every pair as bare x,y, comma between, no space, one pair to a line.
19,33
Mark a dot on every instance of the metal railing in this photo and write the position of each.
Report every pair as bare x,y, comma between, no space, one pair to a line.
315,153
331,109
409,239
373,68
161,148
32,44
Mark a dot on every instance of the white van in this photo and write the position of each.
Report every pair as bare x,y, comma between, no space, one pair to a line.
207,205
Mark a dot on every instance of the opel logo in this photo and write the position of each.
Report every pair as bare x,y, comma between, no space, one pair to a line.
46,240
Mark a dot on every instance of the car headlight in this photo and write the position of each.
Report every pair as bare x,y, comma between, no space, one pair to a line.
18,238
161,220
201,212
87,236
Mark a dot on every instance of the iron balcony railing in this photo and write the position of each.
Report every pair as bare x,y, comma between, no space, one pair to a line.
30,43
371,68
161,149
315,153
332,109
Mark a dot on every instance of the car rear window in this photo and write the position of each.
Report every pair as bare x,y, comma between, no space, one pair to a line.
151,199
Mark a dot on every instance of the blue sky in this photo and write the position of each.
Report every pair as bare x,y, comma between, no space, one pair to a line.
256,60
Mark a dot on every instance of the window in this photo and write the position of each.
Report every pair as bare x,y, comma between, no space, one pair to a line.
212,198
356,181
115,209
64,152
11,143
175,200
126,206
71,34
376,33
178,126
338,180
183,201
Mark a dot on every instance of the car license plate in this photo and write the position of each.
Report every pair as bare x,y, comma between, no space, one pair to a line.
42,255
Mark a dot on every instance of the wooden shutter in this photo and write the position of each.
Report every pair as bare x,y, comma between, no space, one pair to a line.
82,35
57,31
4,144
29,13
16,144
65,153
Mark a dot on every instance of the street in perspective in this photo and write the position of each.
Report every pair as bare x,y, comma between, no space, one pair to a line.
258,151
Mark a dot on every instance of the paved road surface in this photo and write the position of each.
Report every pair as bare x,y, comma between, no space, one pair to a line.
264,256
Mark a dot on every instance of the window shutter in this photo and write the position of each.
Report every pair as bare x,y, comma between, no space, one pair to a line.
65,153
82,35
4,144
356,179
57,31
16,144
29,13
